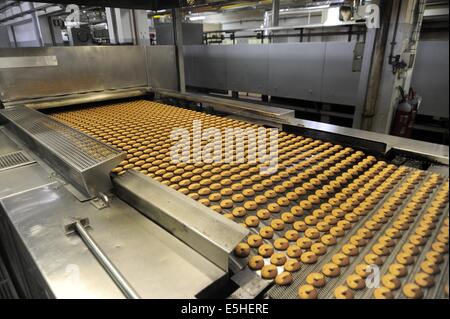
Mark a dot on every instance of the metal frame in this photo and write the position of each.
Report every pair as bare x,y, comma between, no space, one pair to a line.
209,233
35,207
78,70
81,159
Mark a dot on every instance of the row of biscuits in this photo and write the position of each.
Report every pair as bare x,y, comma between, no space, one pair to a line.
297,216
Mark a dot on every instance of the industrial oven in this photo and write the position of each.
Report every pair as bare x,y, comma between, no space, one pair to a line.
93,205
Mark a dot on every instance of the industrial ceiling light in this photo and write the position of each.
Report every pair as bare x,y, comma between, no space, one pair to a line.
197,18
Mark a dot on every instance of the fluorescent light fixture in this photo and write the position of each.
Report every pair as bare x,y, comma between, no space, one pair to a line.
197,18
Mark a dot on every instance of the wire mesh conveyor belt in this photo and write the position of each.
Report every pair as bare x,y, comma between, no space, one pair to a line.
331,222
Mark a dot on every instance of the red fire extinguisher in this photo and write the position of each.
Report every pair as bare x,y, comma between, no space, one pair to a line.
405,114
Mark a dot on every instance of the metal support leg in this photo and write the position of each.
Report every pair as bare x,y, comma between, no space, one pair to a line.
37,27
275,13
365,83
178,40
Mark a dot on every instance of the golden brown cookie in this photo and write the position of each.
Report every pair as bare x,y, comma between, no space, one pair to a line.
278,259
266,232
239,211
424,280
256,262
316,279
311,220
355,282
273,208
307,292
294,251
288,218
398,270
434,257
263,214
341,260
343,292
412,291
383,293
215,197
300,226
237,198
390,281
358,241
308,257
439,247
265,250
226,203
337,231
283,279
319,249
291,235
260,199
328,240
292,265
250,205
350,250
252,221
312,233
410,249
254,241
331,270
404,258
277,224
304,243
269,272
242,250
429,267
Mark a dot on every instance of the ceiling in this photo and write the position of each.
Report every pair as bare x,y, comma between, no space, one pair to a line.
130,4
168,4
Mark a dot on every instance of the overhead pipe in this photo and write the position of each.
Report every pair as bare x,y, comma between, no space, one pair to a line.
24,13
275,13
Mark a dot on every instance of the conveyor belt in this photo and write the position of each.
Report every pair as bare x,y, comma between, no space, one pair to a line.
326,214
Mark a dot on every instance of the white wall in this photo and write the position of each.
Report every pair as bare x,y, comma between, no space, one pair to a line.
25,35
142,27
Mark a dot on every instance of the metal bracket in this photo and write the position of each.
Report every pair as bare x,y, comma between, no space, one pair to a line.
101,202
71,227
358,54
